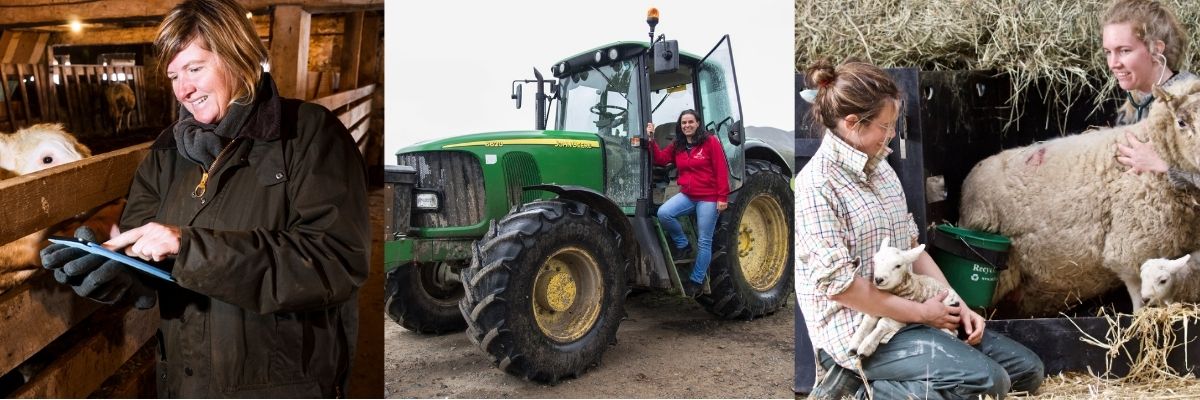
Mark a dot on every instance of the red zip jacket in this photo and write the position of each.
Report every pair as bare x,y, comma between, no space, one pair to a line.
703,170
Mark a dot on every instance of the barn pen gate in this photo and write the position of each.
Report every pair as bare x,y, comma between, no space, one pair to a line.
950,120
80,346
73,95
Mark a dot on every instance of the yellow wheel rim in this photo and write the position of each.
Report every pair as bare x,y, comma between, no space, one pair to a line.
763,243
567,293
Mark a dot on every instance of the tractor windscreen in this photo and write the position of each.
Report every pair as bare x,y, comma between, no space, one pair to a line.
600,100
604,100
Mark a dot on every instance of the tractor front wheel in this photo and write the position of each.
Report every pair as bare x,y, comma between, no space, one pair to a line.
545,291
754,276
423,297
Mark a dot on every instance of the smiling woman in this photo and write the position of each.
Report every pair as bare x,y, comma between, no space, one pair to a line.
1143,44
257,206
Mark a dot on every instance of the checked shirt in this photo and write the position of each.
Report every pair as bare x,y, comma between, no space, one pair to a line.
846,204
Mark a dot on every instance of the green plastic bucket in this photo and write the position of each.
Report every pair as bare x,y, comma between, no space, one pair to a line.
971,261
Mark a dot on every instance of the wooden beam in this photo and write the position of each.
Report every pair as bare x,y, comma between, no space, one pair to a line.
351,49
41,14
289,50
368,68
336,100
362,110
29,203
95,354
44,310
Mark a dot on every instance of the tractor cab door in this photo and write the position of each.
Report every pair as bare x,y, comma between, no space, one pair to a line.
721,106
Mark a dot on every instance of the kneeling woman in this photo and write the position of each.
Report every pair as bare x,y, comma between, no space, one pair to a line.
848,200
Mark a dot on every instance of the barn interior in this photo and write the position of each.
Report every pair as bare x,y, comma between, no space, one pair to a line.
57,60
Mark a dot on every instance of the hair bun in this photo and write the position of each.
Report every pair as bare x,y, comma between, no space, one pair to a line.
821,74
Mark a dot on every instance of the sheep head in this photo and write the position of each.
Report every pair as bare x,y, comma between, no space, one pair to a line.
893,266
1159,278
1181,122
39,147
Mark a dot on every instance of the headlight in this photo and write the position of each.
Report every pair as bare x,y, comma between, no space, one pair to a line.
599,56
612,54
427,201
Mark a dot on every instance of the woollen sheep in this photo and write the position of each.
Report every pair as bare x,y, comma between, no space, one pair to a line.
1080,225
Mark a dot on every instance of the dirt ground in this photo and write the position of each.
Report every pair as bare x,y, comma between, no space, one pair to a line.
667,347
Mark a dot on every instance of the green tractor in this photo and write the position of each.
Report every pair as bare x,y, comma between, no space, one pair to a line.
531,240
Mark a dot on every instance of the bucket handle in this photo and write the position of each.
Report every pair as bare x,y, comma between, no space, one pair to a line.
988,261
981,257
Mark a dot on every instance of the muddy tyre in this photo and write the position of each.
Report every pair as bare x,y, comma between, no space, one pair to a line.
423,297
546,289
754,276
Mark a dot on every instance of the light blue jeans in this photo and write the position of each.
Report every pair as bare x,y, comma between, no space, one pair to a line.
706,222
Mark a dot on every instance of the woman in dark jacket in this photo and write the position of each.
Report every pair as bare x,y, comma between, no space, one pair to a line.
703,191
257,205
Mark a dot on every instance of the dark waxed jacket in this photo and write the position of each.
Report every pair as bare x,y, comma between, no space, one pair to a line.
271,256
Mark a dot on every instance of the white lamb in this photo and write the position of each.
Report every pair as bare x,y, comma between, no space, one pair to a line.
1079,225
1166,281
26,151
893,273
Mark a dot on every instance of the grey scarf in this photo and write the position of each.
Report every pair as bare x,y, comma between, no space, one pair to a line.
200,142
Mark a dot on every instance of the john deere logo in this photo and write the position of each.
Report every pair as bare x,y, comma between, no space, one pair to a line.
568,143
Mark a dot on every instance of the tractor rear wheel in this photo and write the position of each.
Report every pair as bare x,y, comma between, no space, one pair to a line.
546,289
754,277
423,297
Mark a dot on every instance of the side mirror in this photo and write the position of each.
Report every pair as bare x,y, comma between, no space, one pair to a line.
666,56
516,95
736,134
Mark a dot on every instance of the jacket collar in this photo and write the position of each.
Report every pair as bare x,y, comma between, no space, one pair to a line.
263,124
849,159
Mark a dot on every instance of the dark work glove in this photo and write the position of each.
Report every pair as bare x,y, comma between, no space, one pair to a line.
93,276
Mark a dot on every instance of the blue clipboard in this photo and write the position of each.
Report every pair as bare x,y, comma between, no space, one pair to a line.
96,248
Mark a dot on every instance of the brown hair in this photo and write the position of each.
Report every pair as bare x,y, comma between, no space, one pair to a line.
1151,22
220,26
851,88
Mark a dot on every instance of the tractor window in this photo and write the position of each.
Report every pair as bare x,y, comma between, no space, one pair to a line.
670,94
604,100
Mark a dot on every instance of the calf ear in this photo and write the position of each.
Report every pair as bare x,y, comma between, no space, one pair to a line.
884,244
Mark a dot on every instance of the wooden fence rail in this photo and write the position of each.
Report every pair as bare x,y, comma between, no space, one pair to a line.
73,95
41,319
353,108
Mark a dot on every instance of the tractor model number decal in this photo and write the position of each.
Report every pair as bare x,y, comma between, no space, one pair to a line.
570,143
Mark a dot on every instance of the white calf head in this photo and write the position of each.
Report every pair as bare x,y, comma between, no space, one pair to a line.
893,265
39,147
1159,277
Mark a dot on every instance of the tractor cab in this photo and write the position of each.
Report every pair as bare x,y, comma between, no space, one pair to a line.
614,90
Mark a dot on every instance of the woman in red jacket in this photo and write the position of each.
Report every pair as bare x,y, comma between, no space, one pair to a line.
704,189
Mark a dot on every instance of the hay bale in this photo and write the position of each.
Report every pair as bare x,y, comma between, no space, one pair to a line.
1051,45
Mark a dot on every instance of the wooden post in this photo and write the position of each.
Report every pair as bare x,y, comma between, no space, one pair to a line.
352,39
289,50
368,68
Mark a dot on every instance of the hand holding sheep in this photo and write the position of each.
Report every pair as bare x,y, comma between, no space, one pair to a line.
1140,156
941,308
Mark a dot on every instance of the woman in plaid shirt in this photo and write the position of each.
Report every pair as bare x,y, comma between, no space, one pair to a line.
847,201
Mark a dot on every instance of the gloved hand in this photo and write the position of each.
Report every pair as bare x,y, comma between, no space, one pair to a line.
93,276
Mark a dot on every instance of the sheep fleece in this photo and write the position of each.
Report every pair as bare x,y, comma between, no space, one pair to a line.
1079,224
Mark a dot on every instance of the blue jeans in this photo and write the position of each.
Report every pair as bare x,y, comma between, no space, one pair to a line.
706,222
929,364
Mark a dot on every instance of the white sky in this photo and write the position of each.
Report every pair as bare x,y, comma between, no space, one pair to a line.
450,64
